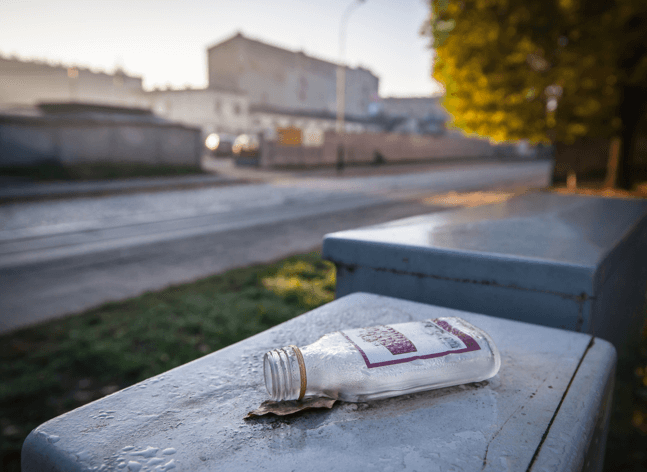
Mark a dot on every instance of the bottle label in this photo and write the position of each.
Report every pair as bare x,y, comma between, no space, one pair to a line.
405,342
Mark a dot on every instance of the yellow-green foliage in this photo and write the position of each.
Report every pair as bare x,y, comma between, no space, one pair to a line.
500,59
309,284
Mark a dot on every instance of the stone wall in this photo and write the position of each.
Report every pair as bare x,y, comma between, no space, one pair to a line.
362,148
33,140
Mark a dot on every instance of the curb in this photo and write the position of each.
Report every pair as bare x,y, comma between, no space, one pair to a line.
67,190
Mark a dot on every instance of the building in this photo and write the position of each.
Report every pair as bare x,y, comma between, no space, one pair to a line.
214,110
414,107
27,83
286,87
253,87
265,119
417,115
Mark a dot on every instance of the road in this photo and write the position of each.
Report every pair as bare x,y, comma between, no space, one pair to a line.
65,256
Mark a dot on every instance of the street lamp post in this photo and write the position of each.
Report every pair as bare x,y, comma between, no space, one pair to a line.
341,67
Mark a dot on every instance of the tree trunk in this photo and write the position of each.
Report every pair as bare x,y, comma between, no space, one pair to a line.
612,164
632,107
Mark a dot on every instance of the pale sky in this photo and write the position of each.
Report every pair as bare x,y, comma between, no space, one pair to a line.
165,41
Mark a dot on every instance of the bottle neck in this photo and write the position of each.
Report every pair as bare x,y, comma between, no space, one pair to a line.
285,375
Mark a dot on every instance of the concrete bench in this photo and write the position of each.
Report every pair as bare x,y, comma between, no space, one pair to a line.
546,409
572,262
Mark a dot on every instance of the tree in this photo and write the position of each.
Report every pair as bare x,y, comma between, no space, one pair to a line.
543,70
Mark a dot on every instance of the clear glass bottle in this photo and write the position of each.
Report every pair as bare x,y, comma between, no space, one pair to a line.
382,361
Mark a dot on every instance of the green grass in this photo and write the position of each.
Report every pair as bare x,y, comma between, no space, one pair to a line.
60,365
100,171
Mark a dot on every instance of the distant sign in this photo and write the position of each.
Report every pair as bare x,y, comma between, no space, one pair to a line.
289,136
313,137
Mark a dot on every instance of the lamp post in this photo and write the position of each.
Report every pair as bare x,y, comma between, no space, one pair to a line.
73,81
341,68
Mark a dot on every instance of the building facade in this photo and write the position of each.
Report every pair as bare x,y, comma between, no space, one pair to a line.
415,115
285,83
214,110
254,87
414,107
313,125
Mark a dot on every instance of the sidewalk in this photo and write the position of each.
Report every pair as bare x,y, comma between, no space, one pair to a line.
226,167
16,190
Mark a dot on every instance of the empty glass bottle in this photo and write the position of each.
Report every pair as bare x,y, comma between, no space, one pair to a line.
382,361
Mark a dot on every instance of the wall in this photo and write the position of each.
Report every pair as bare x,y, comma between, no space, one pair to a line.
361,148
31,140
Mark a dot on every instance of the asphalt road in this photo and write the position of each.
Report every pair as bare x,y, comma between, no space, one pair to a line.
64,256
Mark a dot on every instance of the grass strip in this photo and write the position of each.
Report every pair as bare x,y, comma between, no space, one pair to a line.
62,364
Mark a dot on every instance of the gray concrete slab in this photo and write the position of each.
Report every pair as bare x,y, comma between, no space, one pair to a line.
546,409
572,262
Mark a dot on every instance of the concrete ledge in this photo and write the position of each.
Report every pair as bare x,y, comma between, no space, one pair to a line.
570,262
190,418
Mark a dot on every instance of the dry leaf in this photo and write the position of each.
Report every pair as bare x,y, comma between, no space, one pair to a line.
288,408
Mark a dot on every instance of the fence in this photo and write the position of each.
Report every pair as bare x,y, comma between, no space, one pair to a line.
362,149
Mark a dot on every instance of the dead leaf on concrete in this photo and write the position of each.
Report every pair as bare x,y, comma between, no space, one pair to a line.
291,407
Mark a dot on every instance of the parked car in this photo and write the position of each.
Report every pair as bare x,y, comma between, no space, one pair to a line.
246,145
220,145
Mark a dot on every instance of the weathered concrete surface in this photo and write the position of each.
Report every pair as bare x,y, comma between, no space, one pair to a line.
571,262
546,409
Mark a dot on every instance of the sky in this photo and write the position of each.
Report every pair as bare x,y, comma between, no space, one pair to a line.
165,41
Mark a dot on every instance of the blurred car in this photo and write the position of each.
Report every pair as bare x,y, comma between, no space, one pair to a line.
246,145
220,145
